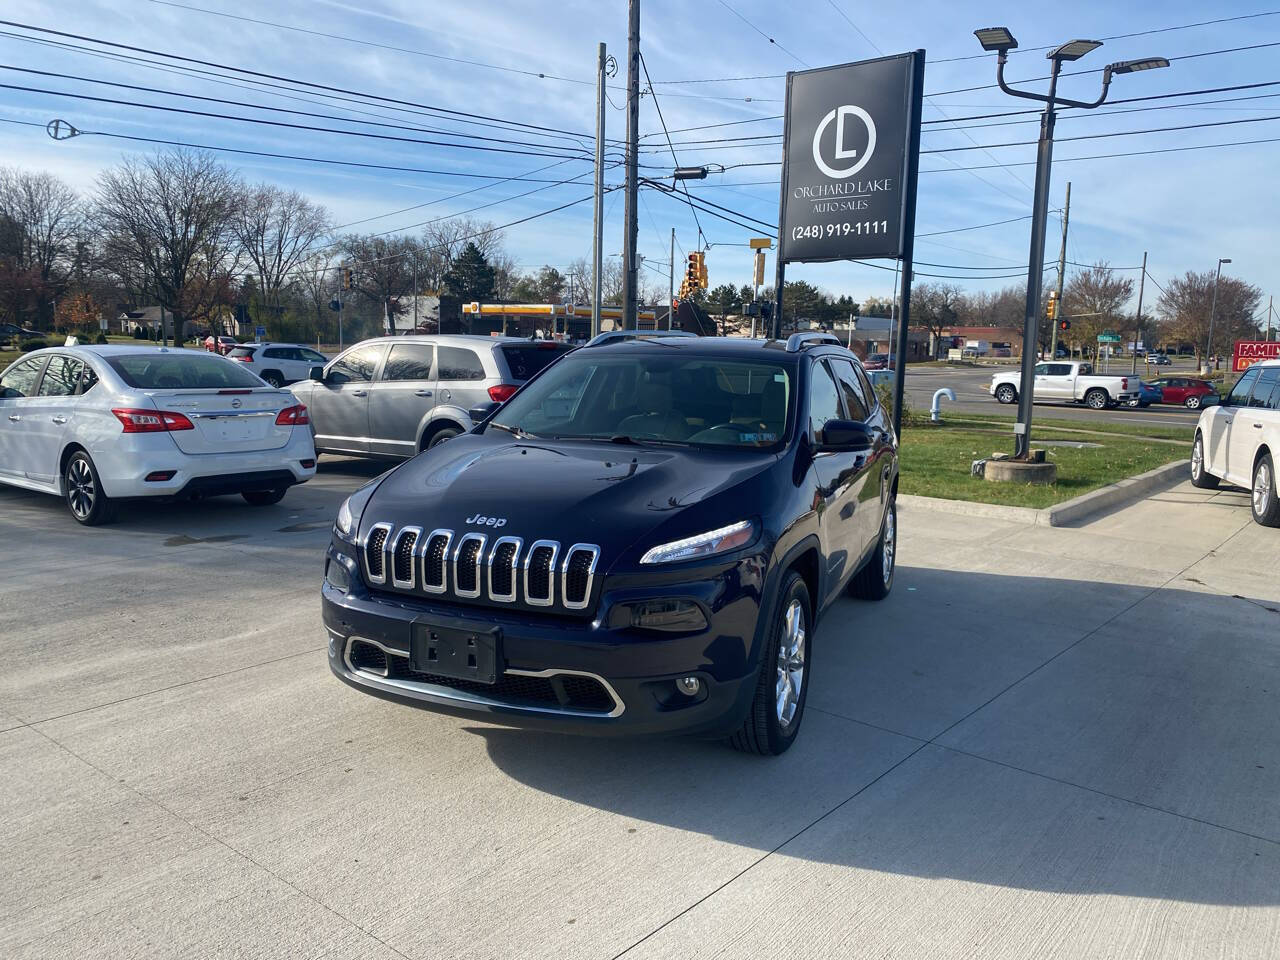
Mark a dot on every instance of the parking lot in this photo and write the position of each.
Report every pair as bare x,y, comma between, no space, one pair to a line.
1046,742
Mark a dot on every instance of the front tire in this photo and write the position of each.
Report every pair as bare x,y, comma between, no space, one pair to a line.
1006,393
1200,477
1265,499
782,687
83,491
273,378
1096,399
263,498
1192,403
875,579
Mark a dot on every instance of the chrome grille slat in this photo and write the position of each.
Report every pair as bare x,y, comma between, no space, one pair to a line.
572,595
540,562
403,558
435,561
502,571
466,565
374,553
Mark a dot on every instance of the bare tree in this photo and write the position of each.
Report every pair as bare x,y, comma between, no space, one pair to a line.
1185,303
382,270
277,229
936,306
314,278
167,222
1094,302
42,221
444,239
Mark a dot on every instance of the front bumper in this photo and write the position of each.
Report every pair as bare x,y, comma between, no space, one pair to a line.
629,675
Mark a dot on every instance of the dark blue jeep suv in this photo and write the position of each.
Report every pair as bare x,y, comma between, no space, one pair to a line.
641,540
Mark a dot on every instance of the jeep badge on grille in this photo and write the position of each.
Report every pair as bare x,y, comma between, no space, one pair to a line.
480,520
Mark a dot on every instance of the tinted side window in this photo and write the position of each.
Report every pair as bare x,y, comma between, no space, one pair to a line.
855,400
1239,394
20,379
89,380
60,377
409,361
1059,369
311,356
459,363
276,353
868,389
355,366
1262,392
824,398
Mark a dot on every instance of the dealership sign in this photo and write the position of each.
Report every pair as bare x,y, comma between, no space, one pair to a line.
1248,352
846,147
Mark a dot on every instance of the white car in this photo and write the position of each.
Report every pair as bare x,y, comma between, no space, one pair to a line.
1238,440
278,363
97,424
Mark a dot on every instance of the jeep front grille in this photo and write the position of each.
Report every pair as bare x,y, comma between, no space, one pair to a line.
470,567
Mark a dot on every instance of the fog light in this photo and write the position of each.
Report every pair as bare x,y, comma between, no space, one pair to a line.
307,464
160,476
689,686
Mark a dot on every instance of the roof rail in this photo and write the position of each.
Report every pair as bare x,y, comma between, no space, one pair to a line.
799,341
619,336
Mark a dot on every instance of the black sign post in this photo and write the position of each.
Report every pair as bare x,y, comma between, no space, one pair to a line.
851,152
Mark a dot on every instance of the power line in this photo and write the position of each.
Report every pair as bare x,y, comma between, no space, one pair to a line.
762,33
676,160
1131,153
296,82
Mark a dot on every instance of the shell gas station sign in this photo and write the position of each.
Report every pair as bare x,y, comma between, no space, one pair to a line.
1249,352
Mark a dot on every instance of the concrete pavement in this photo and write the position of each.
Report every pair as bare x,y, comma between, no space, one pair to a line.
1047,742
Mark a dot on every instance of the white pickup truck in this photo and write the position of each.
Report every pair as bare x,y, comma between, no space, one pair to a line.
1070,381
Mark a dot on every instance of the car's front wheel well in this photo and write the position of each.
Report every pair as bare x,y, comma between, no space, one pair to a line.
435,427
1263,450
807,566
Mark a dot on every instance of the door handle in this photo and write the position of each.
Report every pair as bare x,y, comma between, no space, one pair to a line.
59,419
14,417
359,393
1257,426
422,393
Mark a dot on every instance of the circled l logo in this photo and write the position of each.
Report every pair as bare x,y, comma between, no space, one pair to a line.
838,115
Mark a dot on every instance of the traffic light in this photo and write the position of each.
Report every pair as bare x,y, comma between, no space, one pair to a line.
346,278
702,270
691,271
1051,307
1064,325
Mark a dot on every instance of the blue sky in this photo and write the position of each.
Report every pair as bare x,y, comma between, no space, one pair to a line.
1186,209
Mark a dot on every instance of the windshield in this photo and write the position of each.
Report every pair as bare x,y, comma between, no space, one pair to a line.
181,371
648,398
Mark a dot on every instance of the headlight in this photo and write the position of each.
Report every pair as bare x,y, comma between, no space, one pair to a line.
348,521
704,544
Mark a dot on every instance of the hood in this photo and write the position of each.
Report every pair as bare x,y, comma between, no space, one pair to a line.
571,491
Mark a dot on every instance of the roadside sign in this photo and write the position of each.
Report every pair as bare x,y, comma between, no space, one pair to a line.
259,333
761,243
846,147
1247,352
1108,338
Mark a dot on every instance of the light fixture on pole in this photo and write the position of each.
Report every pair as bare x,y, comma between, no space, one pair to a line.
1208,347
1000,41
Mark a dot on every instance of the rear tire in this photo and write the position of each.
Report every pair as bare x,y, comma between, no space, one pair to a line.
1264,497
776,710
1192,403
1006,393
273,378
1200,477
1097,399
264,498
441,435
83,492
875,579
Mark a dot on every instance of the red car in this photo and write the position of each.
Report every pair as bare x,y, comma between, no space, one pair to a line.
225,344
1187,391
878,361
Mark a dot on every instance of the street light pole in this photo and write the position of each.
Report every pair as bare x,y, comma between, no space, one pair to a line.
1213,307
1001,41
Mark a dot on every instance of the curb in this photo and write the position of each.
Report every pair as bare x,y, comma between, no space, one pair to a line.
1113,495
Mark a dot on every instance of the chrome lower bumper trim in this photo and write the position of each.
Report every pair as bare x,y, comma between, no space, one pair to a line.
437,691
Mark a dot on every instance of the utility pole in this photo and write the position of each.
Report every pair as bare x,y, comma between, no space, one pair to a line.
1137,326
671,284
1269,300
415,293
597,229
1062,273
1213,309
630,227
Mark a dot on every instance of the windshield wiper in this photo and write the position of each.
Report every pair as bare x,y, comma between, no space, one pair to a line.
623,438
514,431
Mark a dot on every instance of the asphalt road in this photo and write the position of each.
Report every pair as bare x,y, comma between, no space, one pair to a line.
1057,743
971,389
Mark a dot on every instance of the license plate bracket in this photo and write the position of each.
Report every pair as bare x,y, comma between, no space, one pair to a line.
457,651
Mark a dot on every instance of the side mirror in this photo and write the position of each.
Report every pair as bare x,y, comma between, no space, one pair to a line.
316,373
845,435
481,411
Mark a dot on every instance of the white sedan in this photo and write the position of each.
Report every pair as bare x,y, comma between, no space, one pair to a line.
1238,441
97,424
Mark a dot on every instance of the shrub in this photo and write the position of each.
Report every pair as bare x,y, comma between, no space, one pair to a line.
100,339
29,345
884,391
139,333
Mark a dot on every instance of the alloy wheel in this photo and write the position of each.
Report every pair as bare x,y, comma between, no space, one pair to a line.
81,490
1197,458
1193,403
790,664
889,544
1262,489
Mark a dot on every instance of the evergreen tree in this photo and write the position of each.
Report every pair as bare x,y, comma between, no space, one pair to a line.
470,277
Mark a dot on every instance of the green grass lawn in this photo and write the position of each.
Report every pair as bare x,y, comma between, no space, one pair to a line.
936,463
1045,426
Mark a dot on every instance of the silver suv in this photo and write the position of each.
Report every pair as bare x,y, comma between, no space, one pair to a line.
396,396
